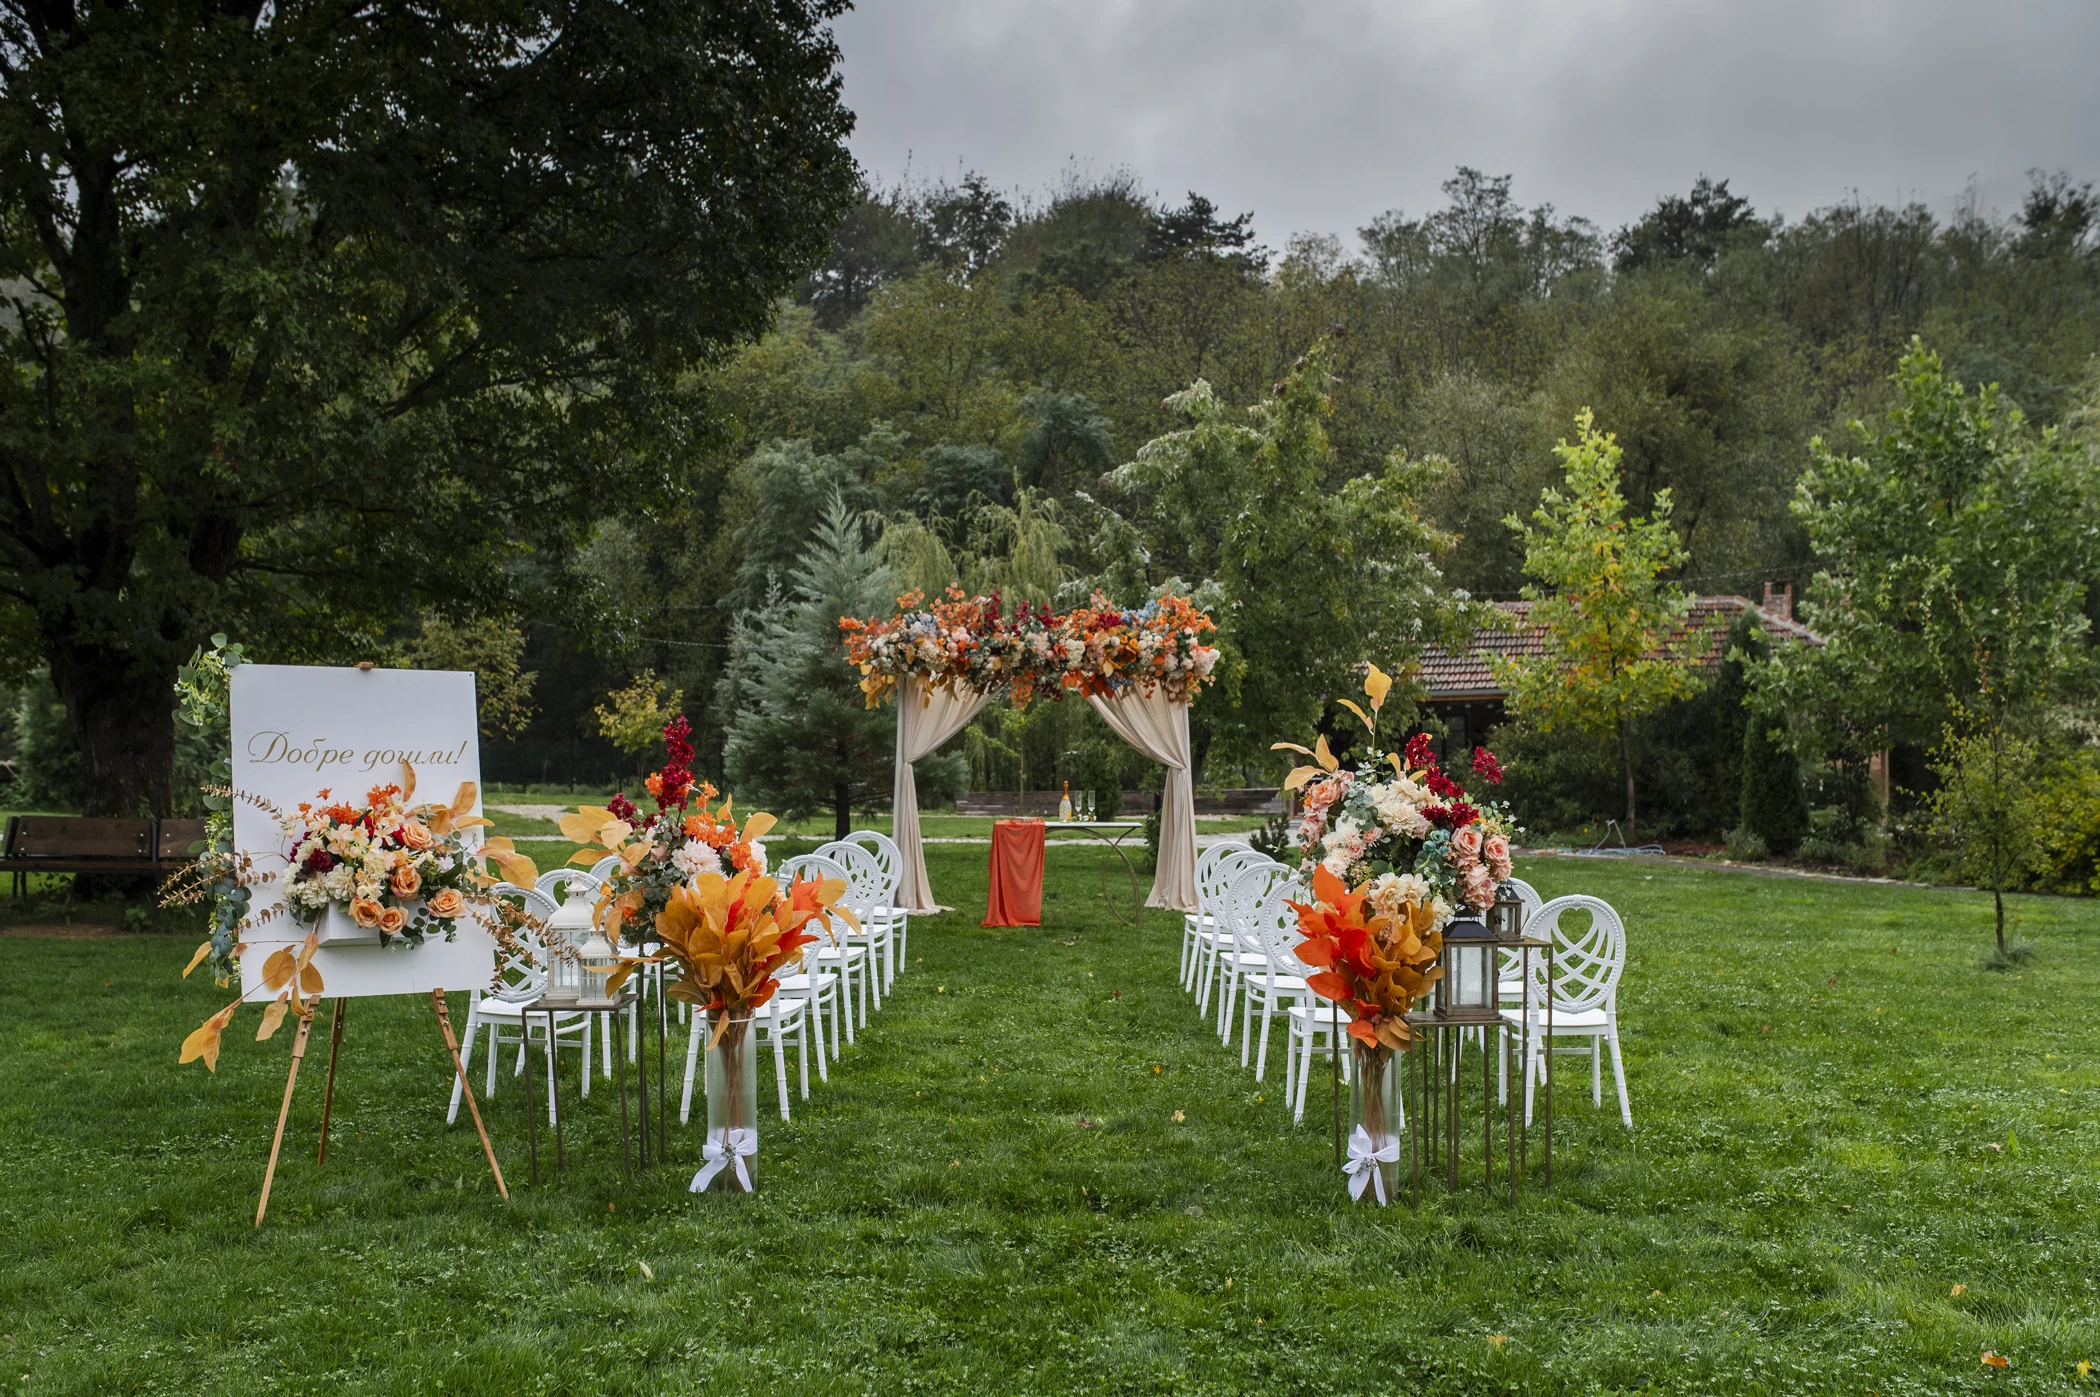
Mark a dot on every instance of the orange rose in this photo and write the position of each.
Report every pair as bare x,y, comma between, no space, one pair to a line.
416,835
365,912
445,902
406,880
392,920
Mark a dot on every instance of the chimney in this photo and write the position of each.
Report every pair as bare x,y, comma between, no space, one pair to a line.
1779,600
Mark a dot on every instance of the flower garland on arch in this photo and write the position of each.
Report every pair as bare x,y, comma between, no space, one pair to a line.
973,644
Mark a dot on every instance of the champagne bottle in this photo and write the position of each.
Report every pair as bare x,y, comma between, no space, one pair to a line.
1064,806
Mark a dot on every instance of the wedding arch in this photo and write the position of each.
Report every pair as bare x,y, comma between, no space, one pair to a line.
1139,669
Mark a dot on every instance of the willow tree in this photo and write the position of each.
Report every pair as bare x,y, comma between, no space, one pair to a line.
1617,645
317,312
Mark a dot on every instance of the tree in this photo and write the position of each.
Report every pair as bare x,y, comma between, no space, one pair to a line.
490,648
1986,810
1956,553
801,737
1617,646
1306,581
1692,230
316,314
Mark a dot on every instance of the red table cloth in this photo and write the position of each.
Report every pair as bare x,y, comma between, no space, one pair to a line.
1017,874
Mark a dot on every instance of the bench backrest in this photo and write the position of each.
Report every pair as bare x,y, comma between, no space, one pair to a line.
176,836
75,837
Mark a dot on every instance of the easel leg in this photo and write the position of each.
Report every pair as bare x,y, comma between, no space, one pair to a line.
444,1018
291,1079
335,1045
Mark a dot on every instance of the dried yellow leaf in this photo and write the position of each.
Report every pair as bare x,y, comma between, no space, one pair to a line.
756,827
197,959
1377,684
279,969
272,1016
1321,755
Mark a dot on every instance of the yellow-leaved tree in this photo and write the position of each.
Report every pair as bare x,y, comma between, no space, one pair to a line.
1618,639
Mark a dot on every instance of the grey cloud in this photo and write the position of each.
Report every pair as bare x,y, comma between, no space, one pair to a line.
1318,115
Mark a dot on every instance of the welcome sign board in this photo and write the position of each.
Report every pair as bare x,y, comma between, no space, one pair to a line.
298,729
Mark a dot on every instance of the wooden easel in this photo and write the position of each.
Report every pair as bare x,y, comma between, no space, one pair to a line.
335,1043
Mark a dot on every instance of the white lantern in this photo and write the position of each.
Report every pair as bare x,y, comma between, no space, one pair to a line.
566,932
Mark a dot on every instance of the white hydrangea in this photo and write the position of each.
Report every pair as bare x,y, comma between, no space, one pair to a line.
695,858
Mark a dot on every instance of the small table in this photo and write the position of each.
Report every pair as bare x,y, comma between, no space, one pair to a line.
615,1006
1122,829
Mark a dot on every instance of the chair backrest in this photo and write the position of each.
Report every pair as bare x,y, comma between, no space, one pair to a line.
1269,922
606,867
1586,964
517,982
561,884
867,885
1216,867
1528,895
886,851
1248,899
813,866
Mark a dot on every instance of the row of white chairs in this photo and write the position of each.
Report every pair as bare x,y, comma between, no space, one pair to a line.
1239,946
848,959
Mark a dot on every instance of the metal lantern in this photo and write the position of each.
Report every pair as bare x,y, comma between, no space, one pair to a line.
599,959
566,931
1505,919
1467,991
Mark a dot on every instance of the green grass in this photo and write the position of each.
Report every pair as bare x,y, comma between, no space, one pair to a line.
1839,1120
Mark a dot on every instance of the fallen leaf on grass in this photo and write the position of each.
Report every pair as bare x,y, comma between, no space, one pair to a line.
1992,1360
1179,1118
1193,1210
1085,1124
1958,1289
1498,1340
1155,1069
1653,1294
2084,1369
647,1274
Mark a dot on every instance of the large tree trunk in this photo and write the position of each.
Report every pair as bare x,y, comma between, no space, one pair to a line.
1998,900
1626,767
841,810
122,709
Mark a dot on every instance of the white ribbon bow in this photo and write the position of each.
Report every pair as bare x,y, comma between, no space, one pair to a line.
1362,1167
725,1147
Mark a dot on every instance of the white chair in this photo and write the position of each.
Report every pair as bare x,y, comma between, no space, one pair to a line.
504,1007
1584,993
1509,970
836,952
1213,871
891,858
606,867
1239,955
561,884
1269,925
1216,942
1309,1023
868,891
780,1020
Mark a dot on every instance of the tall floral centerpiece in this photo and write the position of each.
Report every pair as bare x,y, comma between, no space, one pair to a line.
731,938
1396,851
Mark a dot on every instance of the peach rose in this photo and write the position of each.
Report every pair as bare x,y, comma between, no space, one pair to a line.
416,835
392,920
406,880
1465,843
365,912
1496,852
445,902
1480,888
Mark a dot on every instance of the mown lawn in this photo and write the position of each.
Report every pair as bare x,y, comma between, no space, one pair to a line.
1840,1120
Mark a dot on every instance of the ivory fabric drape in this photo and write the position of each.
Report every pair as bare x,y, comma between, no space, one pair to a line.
925,719
1159,728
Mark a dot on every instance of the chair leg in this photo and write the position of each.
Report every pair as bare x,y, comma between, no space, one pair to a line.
1261,1058
802,1050
1304,1073
1596,1074
780,1068
586,1075
692,1063
813,1009
1618,1074
605,1031
552,1116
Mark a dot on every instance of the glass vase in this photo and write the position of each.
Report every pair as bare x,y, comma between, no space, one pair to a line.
732,1106
1375,1140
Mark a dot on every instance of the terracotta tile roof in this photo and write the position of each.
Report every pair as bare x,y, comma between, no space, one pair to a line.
1451,677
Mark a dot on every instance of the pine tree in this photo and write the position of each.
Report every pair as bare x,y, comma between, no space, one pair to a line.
801,738
1773,807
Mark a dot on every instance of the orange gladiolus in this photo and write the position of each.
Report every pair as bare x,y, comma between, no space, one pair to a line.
1374,961
731,936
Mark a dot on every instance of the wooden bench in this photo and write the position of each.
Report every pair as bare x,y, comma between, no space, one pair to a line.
79,844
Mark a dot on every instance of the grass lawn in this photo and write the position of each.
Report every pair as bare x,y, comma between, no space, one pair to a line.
1840,1121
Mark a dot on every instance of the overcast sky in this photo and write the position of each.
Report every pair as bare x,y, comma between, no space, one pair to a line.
1319,114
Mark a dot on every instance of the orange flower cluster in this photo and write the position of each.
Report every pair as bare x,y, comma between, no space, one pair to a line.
971,643
1376,950
731,937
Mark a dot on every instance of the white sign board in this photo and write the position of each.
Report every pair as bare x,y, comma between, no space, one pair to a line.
300,728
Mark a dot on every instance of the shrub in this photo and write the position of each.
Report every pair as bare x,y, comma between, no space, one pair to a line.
1772,805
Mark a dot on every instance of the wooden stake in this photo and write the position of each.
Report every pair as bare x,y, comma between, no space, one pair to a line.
291,1079
335,1045
444,1018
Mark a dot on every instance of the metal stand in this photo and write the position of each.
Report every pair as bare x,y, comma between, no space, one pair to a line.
630,1145
1117,831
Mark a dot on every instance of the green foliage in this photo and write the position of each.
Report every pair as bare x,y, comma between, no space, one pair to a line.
1617,646
1773,809
316,316
488,647
48,774
1956,550
633,718
1989,807
801,738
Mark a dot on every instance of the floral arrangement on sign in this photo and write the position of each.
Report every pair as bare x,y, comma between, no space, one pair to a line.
971,643
402,869
682,839
1401,820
